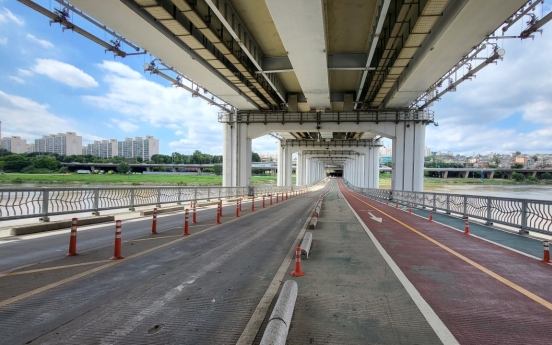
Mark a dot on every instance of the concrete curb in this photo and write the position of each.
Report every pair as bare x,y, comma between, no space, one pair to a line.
162,210
306,244
61,224
278,324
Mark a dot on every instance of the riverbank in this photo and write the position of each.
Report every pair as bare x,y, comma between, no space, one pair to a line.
210,180
115,179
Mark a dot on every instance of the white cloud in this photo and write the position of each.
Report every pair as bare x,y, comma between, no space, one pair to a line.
6,15
508,107
145,103
3,40
24,72
65,73
43,43
125,126
30,120
17,79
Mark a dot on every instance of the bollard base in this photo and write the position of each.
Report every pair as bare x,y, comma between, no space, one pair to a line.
116,257
297,274
71,254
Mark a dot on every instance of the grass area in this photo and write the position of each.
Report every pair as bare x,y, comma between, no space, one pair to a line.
204,180
134,179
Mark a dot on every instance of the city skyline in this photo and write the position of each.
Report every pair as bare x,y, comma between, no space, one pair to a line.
54,81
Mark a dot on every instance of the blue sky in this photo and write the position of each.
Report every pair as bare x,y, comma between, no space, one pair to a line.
53,81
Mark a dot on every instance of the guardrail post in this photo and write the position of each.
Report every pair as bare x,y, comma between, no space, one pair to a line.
158,197
434,202
465,215
45,202
523,230
96,211
448,204
131,206
179,202
489,215
195,194
208,193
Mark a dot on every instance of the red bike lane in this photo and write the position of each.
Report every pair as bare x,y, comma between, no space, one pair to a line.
484,293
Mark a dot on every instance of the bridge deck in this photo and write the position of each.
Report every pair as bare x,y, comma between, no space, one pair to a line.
212,287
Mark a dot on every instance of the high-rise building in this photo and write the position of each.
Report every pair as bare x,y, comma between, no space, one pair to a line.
31,148
65,144
138,147
14,144
102,149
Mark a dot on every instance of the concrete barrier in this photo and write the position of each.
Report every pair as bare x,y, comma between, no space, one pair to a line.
162,210
56,225
313,222
306,244
278,325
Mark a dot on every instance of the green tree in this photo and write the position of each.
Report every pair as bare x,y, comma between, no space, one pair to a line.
123,168
518,153
255,157
518,177
46,163
535,158
217,168
517,166
547,176
15,163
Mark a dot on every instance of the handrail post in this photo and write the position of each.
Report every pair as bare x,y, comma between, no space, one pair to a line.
132,192
158,197
208,193
96,212
465,216
448,204
434,202
489,215
45,202
523,230
195,194
179,202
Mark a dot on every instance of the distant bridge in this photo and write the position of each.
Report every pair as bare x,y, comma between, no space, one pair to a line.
439,172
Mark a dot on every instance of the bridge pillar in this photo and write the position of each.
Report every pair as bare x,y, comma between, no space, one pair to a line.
370,168
288,162
408,157
92,169
236,161
300,173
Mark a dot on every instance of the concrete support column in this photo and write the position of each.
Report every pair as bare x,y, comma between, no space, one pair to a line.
281,172
288,161
408,157
299,170
228,140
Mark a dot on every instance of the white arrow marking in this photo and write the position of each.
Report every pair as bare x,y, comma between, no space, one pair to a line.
374,217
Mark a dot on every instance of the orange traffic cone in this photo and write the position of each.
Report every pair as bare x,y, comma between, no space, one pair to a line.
117,249
297,272
73,239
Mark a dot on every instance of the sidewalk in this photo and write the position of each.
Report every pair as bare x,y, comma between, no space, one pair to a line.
349,294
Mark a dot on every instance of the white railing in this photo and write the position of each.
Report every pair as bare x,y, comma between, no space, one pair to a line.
525,214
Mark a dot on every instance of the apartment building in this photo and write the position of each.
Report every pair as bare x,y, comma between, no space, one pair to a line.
65,144
102,148
14,144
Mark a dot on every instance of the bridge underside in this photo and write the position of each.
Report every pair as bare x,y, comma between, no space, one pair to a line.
329,72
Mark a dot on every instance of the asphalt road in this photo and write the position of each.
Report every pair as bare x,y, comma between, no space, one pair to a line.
200,289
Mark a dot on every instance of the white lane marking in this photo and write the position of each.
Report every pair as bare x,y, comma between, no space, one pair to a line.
374,217
440,329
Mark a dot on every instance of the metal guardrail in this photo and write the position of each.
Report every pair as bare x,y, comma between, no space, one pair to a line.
525,214
18,203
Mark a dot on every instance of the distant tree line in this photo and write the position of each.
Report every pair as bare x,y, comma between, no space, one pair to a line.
40,162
